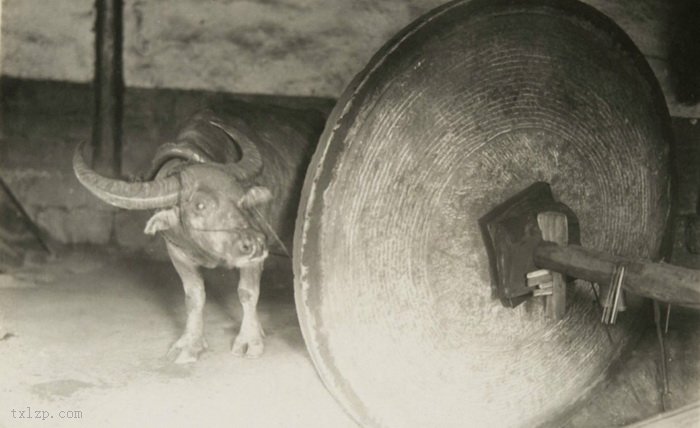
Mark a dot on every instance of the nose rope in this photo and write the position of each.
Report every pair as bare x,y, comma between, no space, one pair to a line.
208,229
262,220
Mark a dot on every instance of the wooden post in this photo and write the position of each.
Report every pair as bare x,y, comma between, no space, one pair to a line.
555,228
109,86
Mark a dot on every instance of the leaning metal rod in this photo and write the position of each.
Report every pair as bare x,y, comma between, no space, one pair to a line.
618,292
608,297
28,221
662,348
602,309
612,299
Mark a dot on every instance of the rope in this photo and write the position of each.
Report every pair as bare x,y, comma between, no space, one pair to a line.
267,225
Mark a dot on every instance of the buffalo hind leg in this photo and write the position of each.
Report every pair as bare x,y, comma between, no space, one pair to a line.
249,342
192,342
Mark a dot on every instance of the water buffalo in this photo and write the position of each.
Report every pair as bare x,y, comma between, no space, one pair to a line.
224,192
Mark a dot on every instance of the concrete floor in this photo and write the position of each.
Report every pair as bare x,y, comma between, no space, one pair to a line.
89,332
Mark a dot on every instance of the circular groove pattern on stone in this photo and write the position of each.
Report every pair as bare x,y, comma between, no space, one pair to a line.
464,108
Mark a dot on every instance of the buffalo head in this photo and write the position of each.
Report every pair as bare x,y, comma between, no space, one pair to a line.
211,206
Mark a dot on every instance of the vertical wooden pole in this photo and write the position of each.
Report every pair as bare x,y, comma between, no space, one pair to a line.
555,228
1,38
109,87
2,113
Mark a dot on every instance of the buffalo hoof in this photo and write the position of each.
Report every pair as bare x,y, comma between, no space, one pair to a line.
249,347
187,349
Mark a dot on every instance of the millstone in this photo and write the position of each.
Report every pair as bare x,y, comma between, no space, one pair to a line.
465,107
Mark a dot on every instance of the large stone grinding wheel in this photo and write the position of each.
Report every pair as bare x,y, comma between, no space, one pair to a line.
465,107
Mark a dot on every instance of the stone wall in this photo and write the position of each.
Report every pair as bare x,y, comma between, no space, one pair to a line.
297,47
290,47
48,40
44,121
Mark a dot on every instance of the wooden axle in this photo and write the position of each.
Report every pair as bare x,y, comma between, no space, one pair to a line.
659,281
533,231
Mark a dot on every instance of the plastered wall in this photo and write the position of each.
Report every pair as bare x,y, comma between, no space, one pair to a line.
48,39
290,47
279,47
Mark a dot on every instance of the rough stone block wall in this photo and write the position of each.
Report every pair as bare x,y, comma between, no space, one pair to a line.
48,40
294,47
290,47
44,121
281,47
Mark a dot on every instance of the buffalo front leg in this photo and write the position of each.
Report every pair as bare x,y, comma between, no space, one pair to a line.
192,342
249,342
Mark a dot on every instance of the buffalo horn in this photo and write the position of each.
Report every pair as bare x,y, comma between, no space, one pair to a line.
158,193
251,162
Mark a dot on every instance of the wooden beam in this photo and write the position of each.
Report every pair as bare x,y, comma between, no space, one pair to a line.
659,281
109,87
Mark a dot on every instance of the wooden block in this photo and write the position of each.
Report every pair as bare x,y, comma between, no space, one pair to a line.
542,292
537,273
548,284
555,228
540,280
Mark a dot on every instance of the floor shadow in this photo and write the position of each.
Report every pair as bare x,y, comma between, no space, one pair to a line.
159,284
221,288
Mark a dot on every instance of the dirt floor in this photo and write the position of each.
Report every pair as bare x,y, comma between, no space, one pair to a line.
89,331
89,334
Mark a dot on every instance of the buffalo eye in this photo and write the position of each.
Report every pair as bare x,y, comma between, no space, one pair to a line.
202,202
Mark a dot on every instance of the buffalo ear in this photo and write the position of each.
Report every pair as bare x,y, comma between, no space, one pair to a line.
256,195
162,220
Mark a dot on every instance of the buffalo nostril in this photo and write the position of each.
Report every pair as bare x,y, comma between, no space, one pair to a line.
246,246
